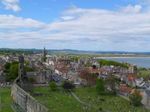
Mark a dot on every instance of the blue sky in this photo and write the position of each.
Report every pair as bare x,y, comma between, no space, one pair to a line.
105,25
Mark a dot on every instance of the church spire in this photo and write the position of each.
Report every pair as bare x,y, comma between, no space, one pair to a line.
44,54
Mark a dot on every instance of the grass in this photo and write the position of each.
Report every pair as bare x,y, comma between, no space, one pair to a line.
58,101
5,100
106,102
64,102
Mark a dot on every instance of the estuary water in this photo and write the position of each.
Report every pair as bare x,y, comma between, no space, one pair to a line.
139,61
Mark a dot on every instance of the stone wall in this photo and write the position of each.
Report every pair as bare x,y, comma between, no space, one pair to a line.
25,100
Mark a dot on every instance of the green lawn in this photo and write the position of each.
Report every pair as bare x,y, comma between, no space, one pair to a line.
5,100
60,101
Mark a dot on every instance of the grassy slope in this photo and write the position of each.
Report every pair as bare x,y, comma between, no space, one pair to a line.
110,103
60,101
5,100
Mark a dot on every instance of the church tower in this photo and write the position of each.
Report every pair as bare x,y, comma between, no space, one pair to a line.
22,73
44,55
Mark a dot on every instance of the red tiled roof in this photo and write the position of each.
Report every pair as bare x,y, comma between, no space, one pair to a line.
131,77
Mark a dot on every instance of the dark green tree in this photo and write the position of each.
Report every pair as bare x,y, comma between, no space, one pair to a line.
111,83
12,72
68,85
100,86
53,86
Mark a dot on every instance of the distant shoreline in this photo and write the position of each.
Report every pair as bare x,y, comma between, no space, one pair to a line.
123,57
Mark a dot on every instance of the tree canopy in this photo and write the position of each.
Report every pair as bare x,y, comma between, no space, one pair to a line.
110,62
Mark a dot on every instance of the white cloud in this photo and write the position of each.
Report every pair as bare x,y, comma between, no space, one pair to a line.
79,28
11,5
132,9
13,22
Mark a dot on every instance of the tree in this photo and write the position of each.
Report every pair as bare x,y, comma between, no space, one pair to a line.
11,71
68,85
135,98
7,66
100,86
53,86
111,83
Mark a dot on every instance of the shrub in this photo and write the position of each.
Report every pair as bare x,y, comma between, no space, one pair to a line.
68,85
135,98
53,86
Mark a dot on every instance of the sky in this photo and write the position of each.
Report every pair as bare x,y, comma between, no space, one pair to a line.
95,25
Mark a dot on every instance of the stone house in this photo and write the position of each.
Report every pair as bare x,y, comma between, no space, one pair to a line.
146,98
40,77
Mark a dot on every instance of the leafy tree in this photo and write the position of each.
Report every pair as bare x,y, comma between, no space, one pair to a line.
135,98
53,86
7,67
100,86
28,69
11,70
111,83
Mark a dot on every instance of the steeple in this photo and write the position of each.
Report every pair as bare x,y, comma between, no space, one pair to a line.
44,55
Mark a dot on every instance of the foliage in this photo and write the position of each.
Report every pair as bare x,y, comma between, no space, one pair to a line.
53,86
110,62
11,70
111,83
28,69
135,98
100,86
75,58
16,51
144,73
7,66
68,85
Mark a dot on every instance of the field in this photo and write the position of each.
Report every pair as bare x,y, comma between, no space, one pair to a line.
5,100
65,102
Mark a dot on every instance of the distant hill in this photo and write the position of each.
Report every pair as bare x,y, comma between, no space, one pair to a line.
70,51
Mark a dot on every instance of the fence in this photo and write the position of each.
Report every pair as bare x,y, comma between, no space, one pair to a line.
25,101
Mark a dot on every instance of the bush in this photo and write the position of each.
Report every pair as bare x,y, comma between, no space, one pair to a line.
68,85
53,86
135,98
100,87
